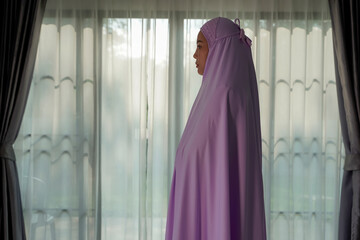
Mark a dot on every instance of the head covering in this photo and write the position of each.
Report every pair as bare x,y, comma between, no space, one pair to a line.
217,188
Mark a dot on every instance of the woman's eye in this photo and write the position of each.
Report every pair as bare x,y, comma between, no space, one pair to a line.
198,46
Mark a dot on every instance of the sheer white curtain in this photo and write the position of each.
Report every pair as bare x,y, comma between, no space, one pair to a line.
56,144
113,85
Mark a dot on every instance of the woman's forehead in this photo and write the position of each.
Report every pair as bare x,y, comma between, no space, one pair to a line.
201,37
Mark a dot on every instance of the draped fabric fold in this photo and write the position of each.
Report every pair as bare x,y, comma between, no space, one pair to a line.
20,30
7,151
346,37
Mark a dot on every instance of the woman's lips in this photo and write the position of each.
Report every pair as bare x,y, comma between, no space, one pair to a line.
197,65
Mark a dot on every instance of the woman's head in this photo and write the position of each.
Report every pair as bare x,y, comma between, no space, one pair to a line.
201,53
222,47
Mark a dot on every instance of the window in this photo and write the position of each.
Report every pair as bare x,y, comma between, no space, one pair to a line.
110,98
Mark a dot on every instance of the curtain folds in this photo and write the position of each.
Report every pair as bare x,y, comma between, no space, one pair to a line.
20,30
346,37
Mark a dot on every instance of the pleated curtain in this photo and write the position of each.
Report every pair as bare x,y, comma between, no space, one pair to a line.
20,29
346,24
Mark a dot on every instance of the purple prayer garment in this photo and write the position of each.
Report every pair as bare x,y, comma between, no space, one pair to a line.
217,187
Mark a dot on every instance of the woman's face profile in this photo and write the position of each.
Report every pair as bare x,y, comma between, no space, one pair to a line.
201,53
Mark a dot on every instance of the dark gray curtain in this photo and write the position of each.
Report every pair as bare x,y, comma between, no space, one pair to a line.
19,36
345,17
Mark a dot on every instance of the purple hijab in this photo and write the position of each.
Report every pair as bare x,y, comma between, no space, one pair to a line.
217,188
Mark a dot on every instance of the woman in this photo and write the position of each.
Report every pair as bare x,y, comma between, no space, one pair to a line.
217,188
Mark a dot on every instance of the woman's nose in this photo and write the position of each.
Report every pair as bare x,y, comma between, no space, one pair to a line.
194,56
